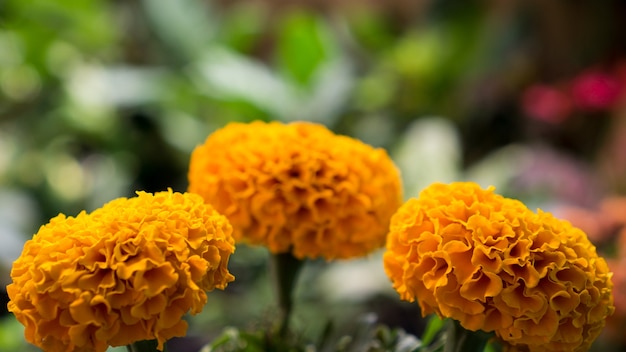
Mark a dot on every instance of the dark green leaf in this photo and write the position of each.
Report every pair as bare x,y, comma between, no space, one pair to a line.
433,328
303,45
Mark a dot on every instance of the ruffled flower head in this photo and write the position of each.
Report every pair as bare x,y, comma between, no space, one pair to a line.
127,272
298,188
492,264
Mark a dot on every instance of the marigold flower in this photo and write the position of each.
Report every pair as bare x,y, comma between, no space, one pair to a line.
298,188
492,264
126,272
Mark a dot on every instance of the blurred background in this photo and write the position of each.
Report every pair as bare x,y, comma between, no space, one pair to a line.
101,98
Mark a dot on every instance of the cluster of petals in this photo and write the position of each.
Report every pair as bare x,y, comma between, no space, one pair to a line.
126,272
487,261
298,188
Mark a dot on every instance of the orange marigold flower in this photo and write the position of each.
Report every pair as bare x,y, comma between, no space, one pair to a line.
492,264
298,188
124,273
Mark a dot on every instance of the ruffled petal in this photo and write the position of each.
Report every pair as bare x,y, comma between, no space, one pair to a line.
126,272
298,188
487,261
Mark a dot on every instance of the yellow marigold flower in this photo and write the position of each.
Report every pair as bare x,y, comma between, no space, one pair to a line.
298,188
492,264
126,272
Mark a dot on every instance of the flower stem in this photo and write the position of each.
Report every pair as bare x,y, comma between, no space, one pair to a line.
284,269
462,340
145,346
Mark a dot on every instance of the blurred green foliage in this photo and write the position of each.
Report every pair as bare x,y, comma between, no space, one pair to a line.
101,98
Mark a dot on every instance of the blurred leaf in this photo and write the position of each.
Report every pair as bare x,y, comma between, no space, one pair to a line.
500,167
235,340
429,151
12,335
434,326
241,27
17,216
447,335
375,90
121,86
464,37
186,26
303,44
367,335
226,75
329,94
371,29
244,83
493,346
396,340
39,23
418,54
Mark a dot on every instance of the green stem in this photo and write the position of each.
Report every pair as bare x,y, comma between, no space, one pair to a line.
145,346
285,269
461,340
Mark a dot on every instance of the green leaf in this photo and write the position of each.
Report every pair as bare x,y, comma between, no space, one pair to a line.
434,326
11,334
459,339
185,26
371,29
234,340
368,335
303,44
241,28
39,25
226,75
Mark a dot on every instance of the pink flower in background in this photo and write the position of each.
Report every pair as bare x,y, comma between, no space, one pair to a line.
597,225
620,76
591,90
595,90
546,103
603,223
